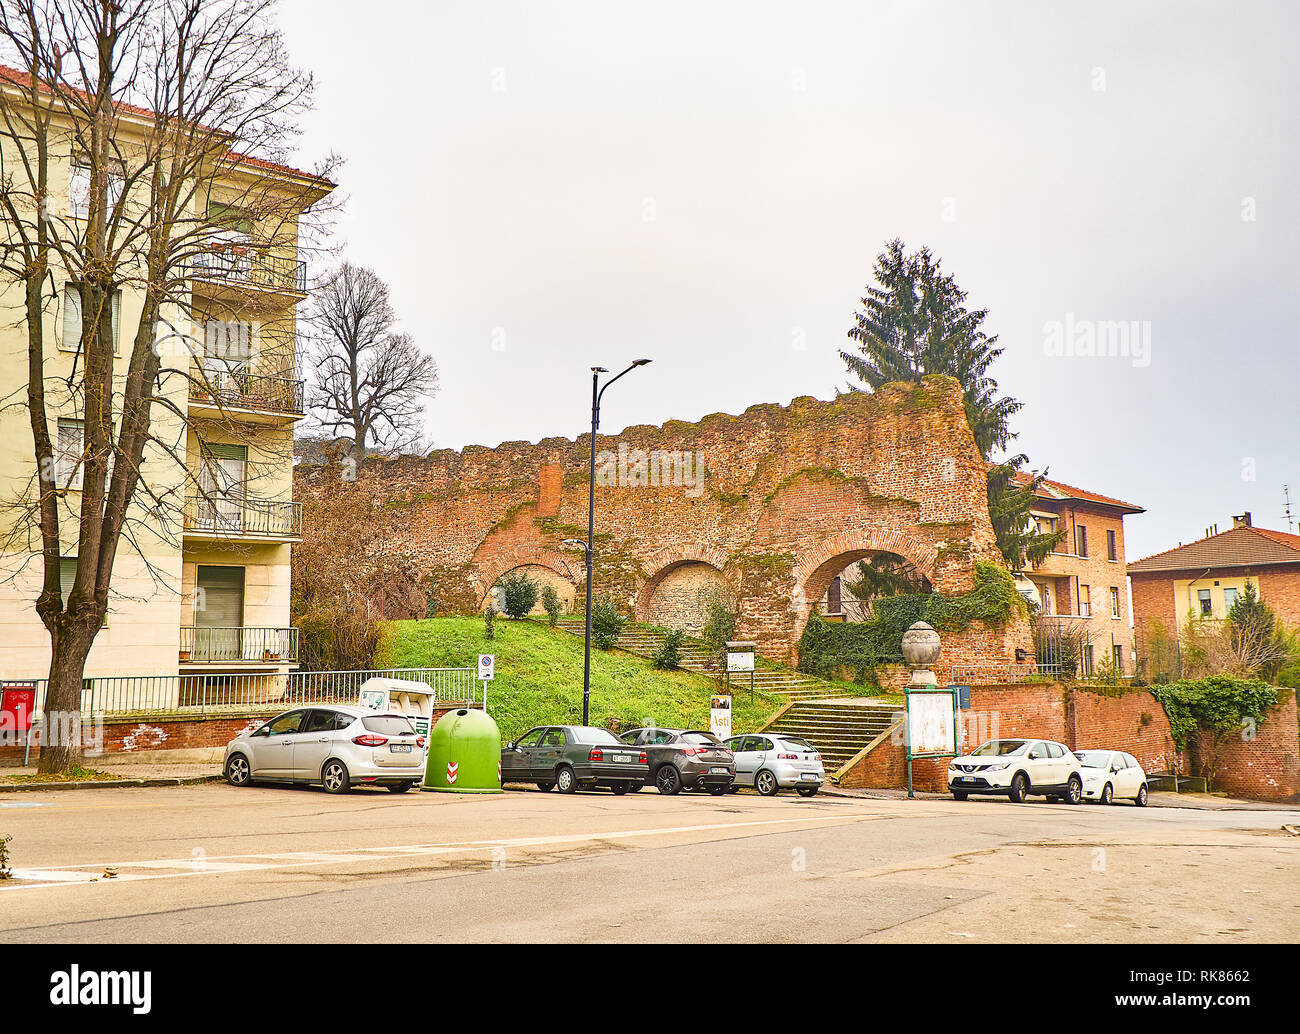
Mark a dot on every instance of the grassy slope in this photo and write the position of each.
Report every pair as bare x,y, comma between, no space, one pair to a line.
539,677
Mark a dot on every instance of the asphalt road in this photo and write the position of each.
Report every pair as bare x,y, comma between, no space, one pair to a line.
212,863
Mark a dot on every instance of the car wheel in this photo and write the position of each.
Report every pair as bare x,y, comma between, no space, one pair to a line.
620,788
238,772
1074,790
1141,800
1019,788
401,787
565,780
719,791
807,791
546,787
667,779
959,795
766,784
1108,794
334,777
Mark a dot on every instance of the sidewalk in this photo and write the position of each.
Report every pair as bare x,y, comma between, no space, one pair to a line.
1198,801
148,768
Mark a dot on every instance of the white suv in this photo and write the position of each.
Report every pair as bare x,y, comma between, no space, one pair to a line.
1016,769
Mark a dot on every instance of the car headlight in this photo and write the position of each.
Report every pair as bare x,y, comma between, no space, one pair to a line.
996,768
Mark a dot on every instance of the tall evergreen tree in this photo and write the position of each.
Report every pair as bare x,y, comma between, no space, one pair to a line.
913,322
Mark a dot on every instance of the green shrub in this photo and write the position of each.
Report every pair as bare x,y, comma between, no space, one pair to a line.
336,639
551,604
607,622
669,655
518,594
490,622
1206,714
719,623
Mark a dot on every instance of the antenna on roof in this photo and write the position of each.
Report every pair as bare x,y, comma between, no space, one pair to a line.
1286,495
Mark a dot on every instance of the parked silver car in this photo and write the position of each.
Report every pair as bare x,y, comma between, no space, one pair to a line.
336,746
771,762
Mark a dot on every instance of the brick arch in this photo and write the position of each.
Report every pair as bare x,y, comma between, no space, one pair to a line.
669,559
815,570
487,571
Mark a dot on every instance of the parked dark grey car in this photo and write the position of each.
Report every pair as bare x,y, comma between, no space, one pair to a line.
689,758
573,757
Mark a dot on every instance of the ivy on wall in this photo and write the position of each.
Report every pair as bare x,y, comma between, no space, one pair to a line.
827,648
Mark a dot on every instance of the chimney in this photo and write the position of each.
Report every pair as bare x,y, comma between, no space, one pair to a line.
1242,520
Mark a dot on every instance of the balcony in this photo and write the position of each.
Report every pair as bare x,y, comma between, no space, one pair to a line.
218,392
240,266
242,645
227,517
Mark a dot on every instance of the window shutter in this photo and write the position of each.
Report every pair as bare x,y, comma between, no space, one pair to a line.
71,340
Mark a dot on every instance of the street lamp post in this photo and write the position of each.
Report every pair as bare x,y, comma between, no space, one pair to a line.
590,545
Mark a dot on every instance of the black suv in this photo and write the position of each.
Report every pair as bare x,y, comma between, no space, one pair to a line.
688,758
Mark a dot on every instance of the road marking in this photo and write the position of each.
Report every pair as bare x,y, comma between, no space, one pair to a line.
88,872
24,804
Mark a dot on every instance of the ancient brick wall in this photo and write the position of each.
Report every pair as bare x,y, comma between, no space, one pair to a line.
787,498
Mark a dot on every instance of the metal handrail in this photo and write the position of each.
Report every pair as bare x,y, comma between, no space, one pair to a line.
238,643
240,515
248,265
198,694
248,391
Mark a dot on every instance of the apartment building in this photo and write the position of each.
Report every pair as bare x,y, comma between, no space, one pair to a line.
1082,587
201,581
1200,581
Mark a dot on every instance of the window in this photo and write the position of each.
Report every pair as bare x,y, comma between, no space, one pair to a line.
1112,547
286,723
1085,601
531,738
1044,525
327,721
1229,598
1080,540
1114,601
67,454
1117,658
1087,660
387,725
229,217
71,338
79,190
554,738
1054,750
1206,603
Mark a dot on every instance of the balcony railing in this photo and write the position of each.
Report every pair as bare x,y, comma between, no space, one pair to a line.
234,390
246,265
241,516
240,644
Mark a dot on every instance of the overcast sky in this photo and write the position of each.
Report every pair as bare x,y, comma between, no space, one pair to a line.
551,186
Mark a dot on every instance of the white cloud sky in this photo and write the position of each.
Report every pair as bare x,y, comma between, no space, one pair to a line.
502,158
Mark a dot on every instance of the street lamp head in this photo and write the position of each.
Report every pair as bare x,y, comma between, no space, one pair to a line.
599,369
642,362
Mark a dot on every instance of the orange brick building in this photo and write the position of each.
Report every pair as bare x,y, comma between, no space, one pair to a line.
1200,580
1083,582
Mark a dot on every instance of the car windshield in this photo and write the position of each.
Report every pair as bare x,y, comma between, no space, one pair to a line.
999,748
387,725
587,734
698,737
1093,758
796,744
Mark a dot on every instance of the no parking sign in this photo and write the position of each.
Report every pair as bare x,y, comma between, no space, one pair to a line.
487,665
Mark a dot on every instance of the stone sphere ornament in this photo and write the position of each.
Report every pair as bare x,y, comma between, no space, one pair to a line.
921,646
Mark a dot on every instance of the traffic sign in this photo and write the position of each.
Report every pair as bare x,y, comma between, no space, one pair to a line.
487,665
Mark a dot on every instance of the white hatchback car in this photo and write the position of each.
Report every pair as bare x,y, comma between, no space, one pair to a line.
1112,775
1017,769
336,746
772,761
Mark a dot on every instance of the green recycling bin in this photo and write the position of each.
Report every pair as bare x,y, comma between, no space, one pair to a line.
464,754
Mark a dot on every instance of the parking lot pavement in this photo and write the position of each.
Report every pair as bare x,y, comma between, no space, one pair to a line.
214,863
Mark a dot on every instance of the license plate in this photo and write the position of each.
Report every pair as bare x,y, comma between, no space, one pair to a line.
400,748
718,771
622,759
809,777
966,779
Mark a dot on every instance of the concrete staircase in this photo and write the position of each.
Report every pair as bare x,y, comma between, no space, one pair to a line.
645,642
839,730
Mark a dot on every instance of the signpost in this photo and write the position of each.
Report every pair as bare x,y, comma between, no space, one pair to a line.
720,715
487,671
930,729
740,659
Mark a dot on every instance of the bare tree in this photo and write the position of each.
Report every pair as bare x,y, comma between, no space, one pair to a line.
370,382
157,106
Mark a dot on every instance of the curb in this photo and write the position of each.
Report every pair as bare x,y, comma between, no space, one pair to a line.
110,784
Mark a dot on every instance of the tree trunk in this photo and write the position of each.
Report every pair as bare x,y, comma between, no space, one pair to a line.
61,733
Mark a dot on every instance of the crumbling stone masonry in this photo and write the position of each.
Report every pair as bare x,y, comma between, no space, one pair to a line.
790,495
